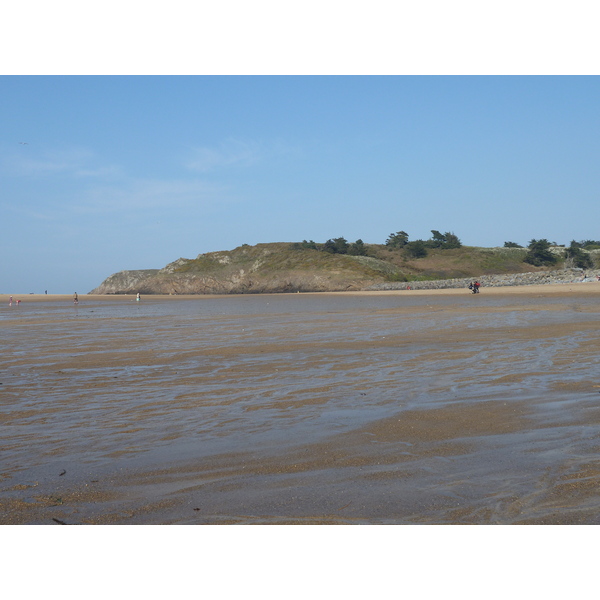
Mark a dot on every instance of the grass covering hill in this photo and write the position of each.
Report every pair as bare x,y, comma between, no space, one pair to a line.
380,261
466,261
279,258
291,267
281,267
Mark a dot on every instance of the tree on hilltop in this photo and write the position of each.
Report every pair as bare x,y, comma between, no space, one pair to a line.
590,244
539,253
511,245
445,241
397,240
451,241
416,249
357,248
336,246
576,257
436,240
304,245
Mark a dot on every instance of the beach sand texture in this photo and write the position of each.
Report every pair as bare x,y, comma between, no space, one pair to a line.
406,407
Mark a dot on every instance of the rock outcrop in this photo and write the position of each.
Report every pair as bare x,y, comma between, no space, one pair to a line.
127,282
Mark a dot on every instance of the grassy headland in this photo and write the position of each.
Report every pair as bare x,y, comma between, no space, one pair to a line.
292,267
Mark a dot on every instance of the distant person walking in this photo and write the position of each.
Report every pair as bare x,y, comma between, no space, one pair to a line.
137,298
75,298
10,301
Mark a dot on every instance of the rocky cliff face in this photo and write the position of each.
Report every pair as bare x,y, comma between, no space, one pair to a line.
126,282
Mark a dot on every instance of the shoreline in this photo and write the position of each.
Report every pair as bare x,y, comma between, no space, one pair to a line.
390,410
579,287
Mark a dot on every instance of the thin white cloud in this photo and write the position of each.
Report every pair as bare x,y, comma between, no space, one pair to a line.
97,190
229,153
72,162
145,194
125,200
24,210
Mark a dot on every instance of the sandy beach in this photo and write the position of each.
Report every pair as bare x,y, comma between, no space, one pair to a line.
536,290
404,407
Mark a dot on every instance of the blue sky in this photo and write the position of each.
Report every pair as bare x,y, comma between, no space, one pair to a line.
104,173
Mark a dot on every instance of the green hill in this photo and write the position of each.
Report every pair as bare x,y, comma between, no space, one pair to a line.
292,267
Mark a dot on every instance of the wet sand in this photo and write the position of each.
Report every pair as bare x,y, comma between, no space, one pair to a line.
374,407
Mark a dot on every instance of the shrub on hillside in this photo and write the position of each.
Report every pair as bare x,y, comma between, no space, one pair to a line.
357,248
445,241
336,246
304,245
416,249
590,244
397,240
576,257
539,254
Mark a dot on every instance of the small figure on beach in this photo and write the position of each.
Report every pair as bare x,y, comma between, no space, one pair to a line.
137,298
10,301
474,287
75,298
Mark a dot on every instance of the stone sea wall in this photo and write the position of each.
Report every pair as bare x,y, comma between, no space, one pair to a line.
540,277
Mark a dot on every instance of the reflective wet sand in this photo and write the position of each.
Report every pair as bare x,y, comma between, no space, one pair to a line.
395,407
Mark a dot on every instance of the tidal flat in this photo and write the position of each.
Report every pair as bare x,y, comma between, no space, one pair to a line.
406,407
